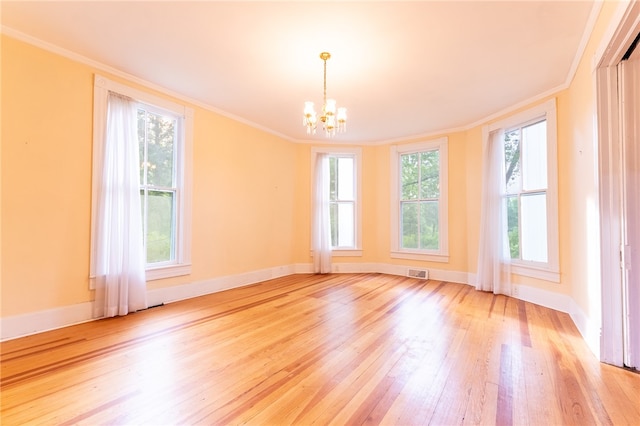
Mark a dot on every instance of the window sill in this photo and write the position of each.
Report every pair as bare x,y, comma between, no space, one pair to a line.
346,253
429,257
169,271
535,272
343,253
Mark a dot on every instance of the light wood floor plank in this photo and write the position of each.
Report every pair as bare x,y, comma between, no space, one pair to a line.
319,349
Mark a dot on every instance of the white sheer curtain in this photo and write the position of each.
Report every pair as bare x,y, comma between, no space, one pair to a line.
120,261
493,254
321,236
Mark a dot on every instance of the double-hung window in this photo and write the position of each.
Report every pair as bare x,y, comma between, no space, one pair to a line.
342,200
530,194
344,192
419,201
165,133
159,141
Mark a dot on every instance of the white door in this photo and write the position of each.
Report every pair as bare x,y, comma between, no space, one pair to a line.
629,79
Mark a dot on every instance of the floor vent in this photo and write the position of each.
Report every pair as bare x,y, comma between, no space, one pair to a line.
418,273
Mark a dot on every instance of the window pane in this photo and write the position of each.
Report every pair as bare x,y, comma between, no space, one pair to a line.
409,223
430,174
513,229
142,136
160,223
512,161
409,176
534,227
333,179
429,225
333,221
534,156
160,143
346,225
345,178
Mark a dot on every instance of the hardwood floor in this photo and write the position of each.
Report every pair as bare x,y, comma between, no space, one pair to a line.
303,349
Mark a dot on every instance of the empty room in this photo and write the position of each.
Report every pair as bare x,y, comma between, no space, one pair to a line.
298,212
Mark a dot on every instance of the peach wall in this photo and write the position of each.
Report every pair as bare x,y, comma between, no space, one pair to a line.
376,207
46,179
582,244
46,187
239,172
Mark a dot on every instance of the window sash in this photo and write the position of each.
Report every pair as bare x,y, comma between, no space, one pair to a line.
404,245
159,252
416,239
183,178
546,111
344,199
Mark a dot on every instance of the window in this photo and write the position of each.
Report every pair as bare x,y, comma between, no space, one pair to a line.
158,138
529,149
342,200
525,153
419,201
344,207
165,144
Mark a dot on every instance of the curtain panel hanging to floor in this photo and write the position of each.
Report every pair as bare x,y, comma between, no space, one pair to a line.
120,262
493,253
321,235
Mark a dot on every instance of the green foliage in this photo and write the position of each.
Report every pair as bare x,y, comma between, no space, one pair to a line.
156,141
512,160
513,229
420,190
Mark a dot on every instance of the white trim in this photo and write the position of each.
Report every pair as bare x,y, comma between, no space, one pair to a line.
547,110
588,328
548,299
427,135
411,255
609,175
37,322
101,88
49,319
214,285
533,272
619,35
357,154
118,73
538,111
586,35
442,254
343,253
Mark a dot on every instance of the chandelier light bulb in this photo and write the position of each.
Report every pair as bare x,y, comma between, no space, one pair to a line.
330,107
310,118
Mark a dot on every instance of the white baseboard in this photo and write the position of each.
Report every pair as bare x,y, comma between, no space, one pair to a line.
50,319
588,327
214,285
37,322
548,299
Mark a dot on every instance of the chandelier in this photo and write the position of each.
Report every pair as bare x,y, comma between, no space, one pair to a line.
333,119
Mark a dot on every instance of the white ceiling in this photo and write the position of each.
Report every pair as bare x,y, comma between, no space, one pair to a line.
402,69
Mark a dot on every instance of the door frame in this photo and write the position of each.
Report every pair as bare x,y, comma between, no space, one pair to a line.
621,33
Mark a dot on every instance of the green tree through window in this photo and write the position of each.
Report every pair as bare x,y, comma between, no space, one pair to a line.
158,188
419,200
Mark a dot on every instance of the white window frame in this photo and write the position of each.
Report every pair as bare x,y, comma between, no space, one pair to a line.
356,153
182,263
549,271
442,253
